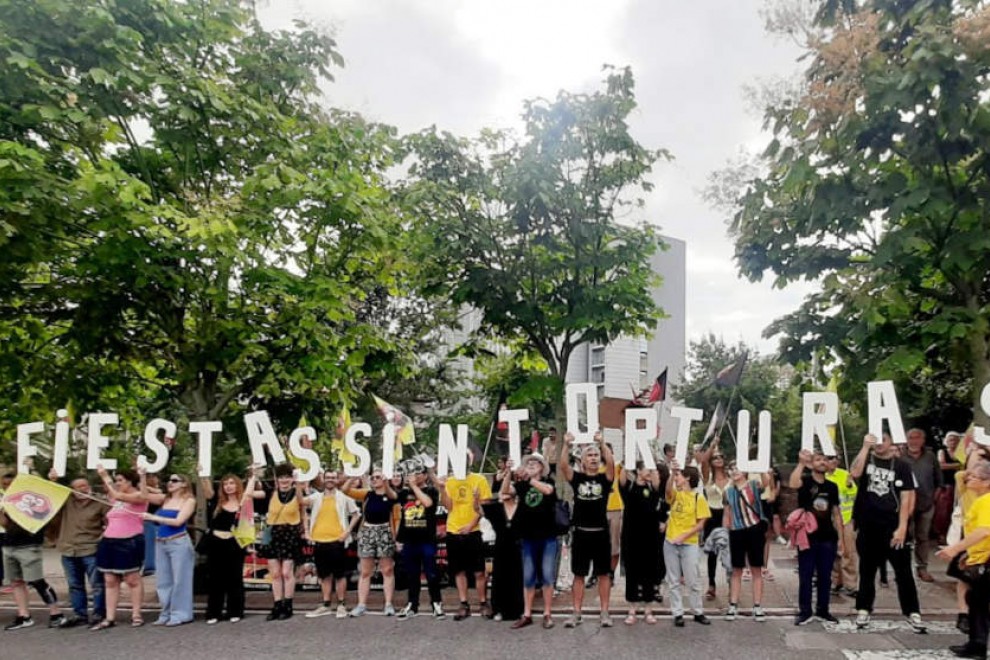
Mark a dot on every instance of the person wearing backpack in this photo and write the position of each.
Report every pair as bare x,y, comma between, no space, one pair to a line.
688,513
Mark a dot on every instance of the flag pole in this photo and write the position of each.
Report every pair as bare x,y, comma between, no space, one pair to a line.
842,434
728,408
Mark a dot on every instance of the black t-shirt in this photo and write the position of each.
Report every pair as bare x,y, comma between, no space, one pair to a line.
880,486
820,499
377,508
418,524
590,500
641,504
17,536
535,513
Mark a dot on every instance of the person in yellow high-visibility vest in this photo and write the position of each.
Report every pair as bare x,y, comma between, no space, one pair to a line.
845,577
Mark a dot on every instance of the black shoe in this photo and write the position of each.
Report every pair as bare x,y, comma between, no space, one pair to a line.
56,621
968,650
286,612
679,621
70,622
962,623
276,612
803,619
702,619
19,622
827,617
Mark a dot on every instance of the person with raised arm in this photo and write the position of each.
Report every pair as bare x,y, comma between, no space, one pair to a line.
715,478
224,555
641,495
174,553
120,553
465,549
747,522
688,513
376,538
417,535
287,524
591,548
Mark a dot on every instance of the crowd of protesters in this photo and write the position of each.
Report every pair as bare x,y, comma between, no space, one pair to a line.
893,506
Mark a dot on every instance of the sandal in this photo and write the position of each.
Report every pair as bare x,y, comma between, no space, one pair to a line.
630,620
650,619
767,575
137,622
547,621
105,624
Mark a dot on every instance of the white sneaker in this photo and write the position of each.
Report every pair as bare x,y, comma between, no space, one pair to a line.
862,619
322,610
389,610
211,622
359,610
235,619
438,612
759,614
917,624
730,614
406,612
341,611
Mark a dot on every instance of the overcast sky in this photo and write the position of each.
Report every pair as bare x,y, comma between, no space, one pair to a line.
467,64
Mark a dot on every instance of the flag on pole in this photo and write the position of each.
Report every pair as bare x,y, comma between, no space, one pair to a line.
298,462
405,434
31,502
732,374
659,391
337,446
717,417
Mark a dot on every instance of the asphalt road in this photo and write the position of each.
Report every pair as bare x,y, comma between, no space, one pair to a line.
374,636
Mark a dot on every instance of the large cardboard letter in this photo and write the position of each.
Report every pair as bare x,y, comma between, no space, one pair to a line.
821,410
513,417
882,404
261,434
60,448
637,439
152,442
305,453
25,449
204,442
97,442
449,453
761,463
979,433
388,450
357,450
684,417
589,391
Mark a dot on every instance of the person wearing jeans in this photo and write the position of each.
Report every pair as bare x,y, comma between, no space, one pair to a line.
174,554
418,538
688,513
819,496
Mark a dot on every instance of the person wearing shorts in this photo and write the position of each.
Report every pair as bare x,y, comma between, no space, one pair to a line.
465,550
286,519
745,518
591,548
332,519
376,539
22,566
120,553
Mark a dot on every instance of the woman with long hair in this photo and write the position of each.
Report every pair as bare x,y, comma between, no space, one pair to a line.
174,554
224,554
287,524
376,539
715,478
120,553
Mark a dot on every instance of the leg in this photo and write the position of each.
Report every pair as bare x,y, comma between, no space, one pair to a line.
735,585
672,559
183,559
95,578
923,538
806,573
164,581
20,593
387,566
979,617
429,559
412,560
548,564
692,580
75,578
824,559
850,577
216,588
275,571
341,590
113,594
461,582
364,582
288,578
136,587
871,556
235,581
907,591
528,552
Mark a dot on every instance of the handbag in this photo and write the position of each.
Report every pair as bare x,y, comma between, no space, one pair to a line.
965,572
562,517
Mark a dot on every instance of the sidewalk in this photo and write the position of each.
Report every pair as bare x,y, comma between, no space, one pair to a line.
780,595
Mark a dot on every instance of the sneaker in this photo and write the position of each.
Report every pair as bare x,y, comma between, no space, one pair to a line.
359,610
55,621
407,612
826,617
322,610
730,614
438,612
71,622
678,621
759,614
702,619
606,621
803,619
781,540
574,621
19,622
341,611
862,619
917,625
235,619
389,610
213,622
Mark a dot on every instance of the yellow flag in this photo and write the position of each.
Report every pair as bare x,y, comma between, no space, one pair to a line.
340,430
31,502
300,463
405,434
245,532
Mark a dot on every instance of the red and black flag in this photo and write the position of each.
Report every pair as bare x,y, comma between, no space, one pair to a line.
659,391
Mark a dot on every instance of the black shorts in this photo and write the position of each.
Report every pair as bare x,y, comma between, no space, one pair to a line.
591,548
330,559
465,553
748,544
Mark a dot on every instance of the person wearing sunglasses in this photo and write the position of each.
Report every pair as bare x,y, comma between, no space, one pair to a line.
174,554
287,523
376,539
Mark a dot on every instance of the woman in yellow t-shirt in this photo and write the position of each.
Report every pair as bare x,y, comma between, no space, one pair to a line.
976,544
688,513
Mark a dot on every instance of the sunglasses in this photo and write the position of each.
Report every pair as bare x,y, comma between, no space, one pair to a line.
176,480
377,476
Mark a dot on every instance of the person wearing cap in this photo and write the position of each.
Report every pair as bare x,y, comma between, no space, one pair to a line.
845,570
418,539
591,548
534,525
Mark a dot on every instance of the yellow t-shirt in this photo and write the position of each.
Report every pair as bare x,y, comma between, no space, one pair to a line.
327,527
686,509
461,494
283,514
978,516
614,498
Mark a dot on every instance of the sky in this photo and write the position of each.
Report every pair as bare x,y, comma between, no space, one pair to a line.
463,65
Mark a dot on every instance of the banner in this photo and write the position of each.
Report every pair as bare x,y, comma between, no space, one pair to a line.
732,374
405,434
31,502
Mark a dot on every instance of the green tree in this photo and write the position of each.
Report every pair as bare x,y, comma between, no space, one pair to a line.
526,230
876,184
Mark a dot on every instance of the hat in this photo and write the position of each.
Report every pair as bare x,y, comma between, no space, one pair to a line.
536,456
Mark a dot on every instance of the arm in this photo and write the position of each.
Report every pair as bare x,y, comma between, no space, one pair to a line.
655,479
421,497
804,463
564,464
506,488
704,458
675,469
206,484
859,463
979,534
542,486
249,491
609,459
185,512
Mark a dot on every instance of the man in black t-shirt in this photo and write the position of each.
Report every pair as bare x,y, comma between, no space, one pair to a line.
591,546
881,513
418,536
820,497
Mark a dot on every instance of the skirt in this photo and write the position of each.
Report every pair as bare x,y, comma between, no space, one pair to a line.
120,556
286,543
